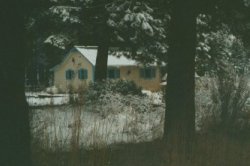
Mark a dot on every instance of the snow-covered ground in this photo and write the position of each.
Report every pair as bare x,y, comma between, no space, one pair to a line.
48,99
57,126
156,97
45,99
117,119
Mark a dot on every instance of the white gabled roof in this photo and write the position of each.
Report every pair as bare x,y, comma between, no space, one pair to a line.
90,52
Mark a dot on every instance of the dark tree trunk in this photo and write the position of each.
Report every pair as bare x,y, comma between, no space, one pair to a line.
180,109
14,115
101,63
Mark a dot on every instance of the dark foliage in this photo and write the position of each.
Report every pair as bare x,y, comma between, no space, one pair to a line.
120,86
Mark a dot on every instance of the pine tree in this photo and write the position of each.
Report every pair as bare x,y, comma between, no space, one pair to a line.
14,113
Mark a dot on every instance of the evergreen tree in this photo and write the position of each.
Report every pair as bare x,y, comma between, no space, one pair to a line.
180,111
14,113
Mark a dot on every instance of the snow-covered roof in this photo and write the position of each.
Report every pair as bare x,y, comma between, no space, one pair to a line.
90,52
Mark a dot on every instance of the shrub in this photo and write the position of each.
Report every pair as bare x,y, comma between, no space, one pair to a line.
127,87
229,94
96,89
222,103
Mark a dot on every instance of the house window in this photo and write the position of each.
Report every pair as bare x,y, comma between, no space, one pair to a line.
69,74
148,73
83,74
113,73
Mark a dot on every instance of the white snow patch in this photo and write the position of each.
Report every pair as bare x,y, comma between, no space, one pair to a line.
57,41
46,99
156,97
90,52
65,13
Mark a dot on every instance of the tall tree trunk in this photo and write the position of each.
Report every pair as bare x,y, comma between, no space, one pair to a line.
102,36
101,63
14,115
180,109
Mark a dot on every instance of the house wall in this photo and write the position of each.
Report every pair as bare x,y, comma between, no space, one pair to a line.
126,73
133,73
79,61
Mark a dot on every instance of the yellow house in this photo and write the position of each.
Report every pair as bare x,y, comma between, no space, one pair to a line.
78,68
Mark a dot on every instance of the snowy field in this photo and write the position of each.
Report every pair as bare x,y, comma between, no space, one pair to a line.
119,119
35,99
46,99
58,126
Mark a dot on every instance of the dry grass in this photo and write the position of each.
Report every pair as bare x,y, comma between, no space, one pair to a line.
212,149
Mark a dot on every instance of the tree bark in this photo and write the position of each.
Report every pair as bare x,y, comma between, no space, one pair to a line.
14,114
179,129
101,63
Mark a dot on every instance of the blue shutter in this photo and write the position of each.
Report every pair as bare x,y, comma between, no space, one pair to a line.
147,73
71,74
113,73
117,73
109,73
85,74
142,73
80,74
67,74
153,72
